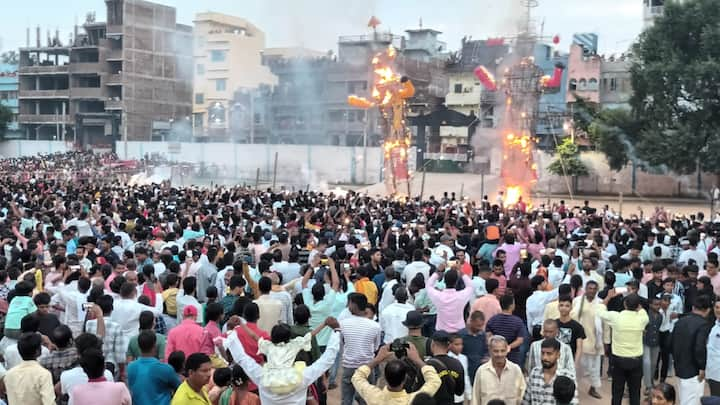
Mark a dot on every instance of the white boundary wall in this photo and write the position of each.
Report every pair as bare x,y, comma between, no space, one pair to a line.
297,164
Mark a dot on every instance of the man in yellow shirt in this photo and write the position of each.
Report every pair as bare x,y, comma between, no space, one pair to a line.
498,378
192,391
395,373
627,347
366,286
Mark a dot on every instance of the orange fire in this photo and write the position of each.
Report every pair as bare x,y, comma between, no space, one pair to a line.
388,93
512,195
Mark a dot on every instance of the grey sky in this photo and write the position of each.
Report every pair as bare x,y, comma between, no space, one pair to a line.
317,23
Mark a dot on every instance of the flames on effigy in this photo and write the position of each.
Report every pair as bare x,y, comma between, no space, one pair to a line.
522,85
388,95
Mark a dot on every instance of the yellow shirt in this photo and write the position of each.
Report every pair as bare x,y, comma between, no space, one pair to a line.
185,395
170,300
376,396
627,331
29,383
368,288
509,387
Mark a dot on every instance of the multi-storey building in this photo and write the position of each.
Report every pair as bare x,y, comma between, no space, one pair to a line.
127,78
309,102
615,82
9,96
228,58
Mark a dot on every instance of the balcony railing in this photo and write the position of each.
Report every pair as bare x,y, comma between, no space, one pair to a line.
114,80
44,93
86,92
44,119
85,67
113,104
114,54
45,69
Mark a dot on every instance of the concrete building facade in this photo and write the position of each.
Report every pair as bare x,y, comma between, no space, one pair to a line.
615,82
583,75
227,59
127,78
309,103
9,96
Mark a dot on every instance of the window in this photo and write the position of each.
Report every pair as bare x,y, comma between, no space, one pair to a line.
199,98
458,88
604,84
200,69
582,84
593,84
573,84
613,84
217,55
198,120
220,84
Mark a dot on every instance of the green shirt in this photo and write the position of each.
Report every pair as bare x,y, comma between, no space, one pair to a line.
422,300
133,350
302,330
420,343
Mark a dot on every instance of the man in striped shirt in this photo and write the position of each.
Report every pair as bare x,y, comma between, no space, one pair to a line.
361,338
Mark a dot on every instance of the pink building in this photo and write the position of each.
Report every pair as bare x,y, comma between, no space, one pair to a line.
583,75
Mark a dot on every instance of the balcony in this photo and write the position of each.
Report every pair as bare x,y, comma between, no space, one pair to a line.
114,80
114,55
44,119
46,69
86,92
469,98
114,30
115,104
85,68
44,93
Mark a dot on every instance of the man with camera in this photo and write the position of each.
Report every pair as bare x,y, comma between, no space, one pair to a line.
395,374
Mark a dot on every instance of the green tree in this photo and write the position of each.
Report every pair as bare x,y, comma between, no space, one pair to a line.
676,83
567,162
614,132
5,118
10,58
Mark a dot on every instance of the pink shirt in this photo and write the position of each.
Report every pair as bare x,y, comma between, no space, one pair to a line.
211,332
715,281
488,305
502,283
186,337
449,304
104,392
512,256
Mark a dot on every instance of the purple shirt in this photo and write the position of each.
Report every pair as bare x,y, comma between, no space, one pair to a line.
449,304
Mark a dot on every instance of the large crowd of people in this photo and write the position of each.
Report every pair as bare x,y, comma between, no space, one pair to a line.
154,295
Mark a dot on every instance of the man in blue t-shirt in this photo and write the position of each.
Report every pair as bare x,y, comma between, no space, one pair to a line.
150,381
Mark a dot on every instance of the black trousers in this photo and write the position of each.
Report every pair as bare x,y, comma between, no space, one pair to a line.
626,370
714,388
665,351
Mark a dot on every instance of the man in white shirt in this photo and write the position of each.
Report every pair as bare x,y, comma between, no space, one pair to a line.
71,297
187,297
126,309
693,253
271,309
418,265
393,316
536,304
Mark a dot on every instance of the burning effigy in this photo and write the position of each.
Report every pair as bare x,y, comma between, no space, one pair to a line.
522,85
389,93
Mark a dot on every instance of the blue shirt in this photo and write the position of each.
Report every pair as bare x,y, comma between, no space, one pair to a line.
475,349
151,382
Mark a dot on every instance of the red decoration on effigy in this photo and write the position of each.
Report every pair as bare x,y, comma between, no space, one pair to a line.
486,78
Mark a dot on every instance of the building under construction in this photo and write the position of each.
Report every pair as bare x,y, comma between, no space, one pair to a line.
127,78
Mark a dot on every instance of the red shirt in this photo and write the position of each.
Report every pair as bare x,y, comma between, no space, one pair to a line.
186,337
249,344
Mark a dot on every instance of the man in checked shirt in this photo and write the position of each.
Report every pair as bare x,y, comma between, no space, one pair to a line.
539,389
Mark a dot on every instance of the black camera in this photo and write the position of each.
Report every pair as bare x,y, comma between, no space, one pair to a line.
399,348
